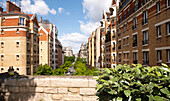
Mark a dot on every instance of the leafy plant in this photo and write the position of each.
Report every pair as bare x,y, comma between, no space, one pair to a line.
137,83
44,70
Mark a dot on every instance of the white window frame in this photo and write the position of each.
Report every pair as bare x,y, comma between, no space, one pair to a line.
168,2
158,7
145,35
135,55
145,16
146,56
135,23
168,28
21,21
127,26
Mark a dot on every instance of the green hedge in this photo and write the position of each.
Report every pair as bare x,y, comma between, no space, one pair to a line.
137,83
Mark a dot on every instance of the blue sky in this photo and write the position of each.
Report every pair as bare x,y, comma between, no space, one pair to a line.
75,19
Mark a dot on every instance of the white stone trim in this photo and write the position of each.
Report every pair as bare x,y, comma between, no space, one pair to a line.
145,29
126,7
145,50
139,14
162,22
126,51
120,52
126,37
151,5
119,39
135,33
135,51
11,17
14,29
162,48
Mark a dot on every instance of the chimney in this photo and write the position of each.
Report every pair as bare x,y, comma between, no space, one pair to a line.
11,7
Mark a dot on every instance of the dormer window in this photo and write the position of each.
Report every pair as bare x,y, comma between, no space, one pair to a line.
22,21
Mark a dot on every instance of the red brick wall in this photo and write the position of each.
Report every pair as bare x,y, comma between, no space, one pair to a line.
59,57
12,7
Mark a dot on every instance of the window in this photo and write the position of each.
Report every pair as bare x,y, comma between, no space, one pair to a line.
159,31
17,44
127,40
119,57
145,17
41,57
158,6
124,56
168,28
2,44
17,31
134,40
127,56
168,3
146,1
134,23
2,69
119,46
159,55
17,56
124,28
146,58
135,58
113,57
2,32
168,53
136,5
2,57
41,50
145,37
21,21
119,34
124,42
18,69
127,26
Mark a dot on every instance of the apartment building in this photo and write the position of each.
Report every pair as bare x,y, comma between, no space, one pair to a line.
94,49
144,32
19,40
68,51
50,46
45,42
83,51
108,39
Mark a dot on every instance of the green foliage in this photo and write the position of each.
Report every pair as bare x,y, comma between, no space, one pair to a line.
44,70
135,83
83,60
71,58
63,68
82,70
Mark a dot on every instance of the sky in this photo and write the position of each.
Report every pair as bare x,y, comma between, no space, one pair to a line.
74,19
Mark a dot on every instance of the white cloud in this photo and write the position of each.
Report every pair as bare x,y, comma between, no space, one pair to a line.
94,8
60,9
67,13
73,40
38,6
88,28
53,11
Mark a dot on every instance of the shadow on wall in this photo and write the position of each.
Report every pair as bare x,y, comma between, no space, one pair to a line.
14,87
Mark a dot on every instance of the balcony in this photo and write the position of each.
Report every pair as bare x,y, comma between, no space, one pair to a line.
135,61
135,43
144,42
145,21
145,63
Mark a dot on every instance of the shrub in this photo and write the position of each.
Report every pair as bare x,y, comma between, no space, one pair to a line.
44,70
67,58
135,83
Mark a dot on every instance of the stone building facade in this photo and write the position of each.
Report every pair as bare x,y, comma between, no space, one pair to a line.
68,51
19,40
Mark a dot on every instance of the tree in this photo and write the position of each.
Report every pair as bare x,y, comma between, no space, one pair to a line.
44,70
63,68
71,58
83,60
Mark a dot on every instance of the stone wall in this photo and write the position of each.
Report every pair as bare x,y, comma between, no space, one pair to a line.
48,88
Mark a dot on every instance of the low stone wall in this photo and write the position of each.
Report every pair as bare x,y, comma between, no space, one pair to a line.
48,88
